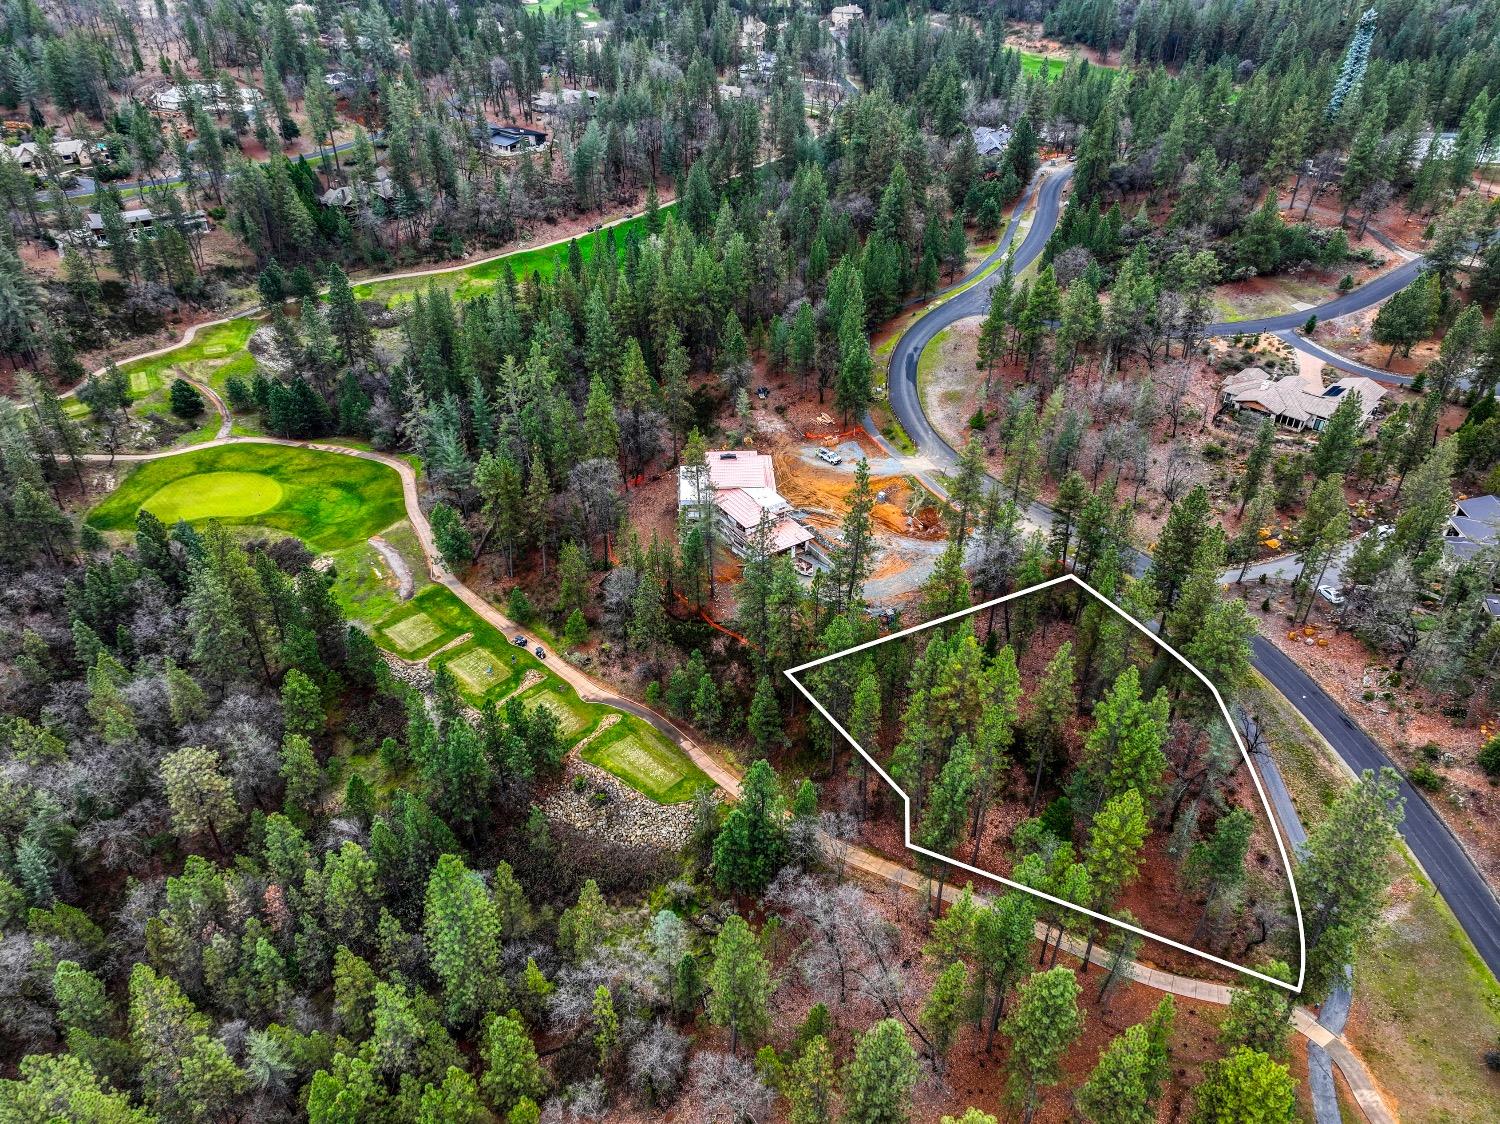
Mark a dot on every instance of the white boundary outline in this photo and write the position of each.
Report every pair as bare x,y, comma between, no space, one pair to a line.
1296,989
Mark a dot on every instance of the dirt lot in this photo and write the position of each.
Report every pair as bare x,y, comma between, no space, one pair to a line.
908,525
973,1076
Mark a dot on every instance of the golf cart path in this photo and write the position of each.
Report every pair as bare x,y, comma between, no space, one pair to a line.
726,778
192,330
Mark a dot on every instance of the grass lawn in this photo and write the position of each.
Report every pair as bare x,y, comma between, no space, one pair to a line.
579,7
485,275
636,753
891,428
221,342
1033,65
1425,1006
328,501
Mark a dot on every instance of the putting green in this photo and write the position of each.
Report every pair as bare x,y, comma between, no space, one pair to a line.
328,500
211,495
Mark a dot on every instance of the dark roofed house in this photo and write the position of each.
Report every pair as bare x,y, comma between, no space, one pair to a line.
506,140
990,142
1473,527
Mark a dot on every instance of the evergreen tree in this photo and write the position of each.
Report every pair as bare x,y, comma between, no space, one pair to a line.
739,983
751,846
1246,1086
1045,1022
879,1081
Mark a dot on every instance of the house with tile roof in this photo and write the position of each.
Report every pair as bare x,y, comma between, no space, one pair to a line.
1299,401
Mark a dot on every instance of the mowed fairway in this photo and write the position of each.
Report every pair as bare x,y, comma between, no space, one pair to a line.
328,500
638,755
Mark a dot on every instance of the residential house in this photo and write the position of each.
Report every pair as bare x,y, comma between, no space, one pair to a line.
1299,401
549,101
741,485
508,140
174,99
844,15
760,68
139,223
1474,526
69,153
990,142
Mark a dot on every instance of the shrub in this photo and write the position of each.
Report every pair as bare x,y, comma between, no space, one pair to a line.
1058,818
1489,758
1309,325
1346,282
518,607
1426,778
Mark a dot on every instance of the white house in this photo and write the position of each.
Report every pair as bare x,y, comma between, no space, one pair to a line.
71,153
741,484
174,99
1298,401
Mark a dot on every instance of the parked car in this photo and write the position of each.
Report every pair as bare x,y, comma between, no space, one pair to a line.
520,642
1331,594
828,456
541,653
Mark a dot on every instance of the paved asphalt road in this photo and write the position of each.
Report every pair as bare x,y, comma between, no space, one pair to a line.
1435,847
1371,292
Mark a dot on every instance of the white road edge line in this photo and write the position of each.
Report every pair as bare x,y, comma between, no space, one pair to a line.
1296,989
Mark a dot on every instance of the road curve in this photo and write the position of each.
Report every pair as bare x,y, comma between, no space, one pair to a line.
1435,847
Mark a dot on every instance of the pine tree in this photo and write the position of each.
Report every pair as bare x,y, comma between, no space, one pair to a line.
854,557
809,1084
462,934
739,983
1260,1014
199,794
1045,1022
751,846
1337,439
879,1081
1257,462
1115,838
1246,1086
1119,1090
1343,876
1352,69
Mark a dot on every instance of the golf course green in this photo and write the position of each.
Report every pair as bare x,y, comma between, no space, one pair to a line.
328,500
